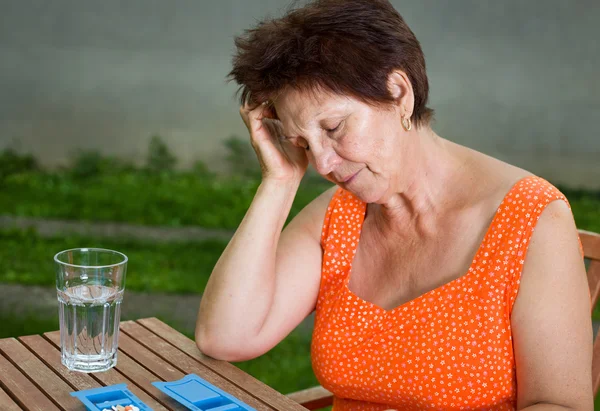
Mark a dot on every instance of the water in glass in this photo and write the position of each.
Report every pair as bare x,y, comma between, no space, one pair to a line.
89,299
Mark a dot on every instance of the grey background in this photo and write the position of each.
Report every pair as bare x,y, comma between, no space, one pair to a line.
515,79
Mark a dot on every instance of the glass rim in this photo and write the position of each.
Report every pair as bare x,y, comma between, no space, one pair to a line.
125,258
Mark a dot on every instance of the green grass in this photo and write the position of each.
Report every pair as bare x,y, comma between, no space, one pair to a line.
168,199
26,258
586,208
286,367
175,198
14,325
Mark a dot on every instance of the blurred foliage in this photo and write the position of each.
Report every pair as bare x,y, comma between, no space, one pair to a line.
90,163
173,199
287,367
200,169
15,324
180,267
160,159
101,188
12,162
241,157
585,205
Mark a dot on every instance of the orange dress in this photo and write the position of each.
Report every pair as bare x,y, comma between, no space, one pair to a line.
448,349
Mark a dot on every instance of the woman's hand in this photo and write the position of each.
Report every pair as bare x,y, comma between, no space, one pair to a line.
279,159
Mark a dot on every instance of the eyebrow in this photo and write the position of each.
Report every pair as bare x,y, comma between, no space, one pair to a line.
335,115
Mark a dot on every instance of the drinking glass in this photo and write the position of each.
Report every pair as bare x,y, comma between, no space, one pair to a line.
90,283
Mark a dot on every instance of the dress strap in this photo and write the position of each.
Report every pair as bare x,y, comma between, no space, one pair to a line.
519,218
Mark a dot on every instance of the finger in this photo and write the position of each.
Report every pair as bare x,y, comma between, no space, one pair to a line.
252,115
249,106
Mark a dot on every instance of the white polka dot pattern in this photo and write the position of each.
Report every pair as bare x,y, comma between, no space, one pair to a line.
450,348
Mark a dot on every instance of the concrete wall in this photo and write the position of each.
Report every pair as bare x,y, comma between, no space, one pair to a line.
514,79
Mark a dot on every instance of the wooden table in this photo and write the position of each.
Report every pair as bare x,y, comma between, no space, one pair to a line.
33,378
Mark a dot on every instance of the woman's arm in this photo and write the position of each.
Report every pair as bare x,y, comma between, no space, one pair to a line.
551,322
265,283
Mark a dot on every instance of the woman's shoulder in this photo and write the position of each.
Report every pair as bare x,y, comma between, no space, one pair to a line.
514,181
494,179
312,217
496,184
522,190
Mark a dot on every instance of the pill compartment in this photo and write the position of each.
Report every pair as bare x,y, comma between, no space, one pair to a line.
212,404
98,399
228,407
200,395
203,397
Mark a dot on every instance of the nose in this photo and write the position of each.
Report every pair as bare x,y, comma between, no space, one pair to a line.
325,159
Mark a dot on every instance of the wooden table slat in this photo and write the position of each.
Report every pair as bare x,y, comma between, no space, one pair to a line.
148,359
225,369
49,351
186,364
29,396
50,383
7,403
144,378
50,355
138,380
33,378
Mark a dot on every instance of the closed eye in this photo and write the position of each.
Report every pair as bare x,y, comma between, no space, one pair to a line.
331,130
298,142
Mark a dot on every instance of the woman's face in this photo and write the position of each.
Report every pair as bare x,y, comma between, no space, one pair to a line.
350,143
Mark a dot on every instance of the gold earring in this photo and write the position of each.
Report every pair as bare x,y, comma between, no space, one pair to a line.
407,123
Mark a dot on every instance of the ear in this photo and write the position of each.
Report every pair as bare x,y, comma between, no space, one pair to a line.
401,90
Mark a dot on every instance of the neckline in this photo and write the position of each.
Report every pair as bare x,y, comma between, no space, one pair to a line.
470,270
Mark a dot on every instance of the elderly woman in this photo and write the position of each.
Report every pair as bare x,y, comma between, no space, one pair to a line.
431,288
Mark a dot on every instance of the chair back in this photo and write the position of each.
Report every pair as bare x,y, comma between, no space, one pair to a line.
591,253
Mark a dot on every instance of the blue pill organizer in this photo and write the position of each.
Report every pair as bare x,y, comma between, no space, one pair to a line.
197,394
98,399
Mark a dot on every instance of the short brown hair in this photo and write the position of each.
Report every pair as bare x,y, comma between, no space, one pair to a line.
344,46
